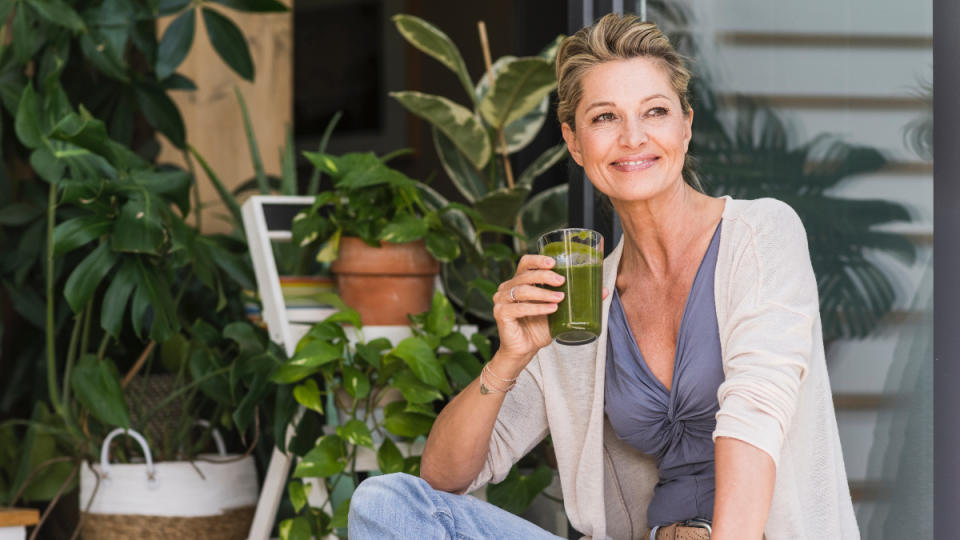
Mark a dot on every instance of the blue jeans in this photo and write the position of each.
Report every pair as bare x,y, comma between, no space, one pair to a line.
403,506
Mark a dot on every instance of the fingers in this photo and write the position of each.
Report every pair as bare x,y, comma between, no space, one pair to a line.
514,311
606,293
533,262
531,293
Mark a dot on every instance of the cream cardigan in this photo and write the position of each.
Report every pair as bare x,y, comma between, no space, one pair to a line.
775,395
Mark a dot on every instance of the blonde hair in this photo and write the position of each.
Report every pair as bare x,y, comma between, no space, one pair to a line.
617,37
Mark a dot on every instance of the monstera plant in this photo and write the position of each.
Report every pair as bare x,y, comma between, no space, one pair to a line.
505,109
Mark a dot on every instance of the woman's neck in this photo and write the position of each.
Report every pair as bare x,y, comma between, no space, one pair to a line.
659,233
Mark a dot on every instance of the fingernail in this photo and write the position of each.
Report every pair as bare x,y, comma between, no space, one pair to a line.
558,295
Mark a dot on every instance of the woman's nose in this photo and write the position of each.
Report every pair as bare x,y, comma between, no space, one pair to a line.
632,133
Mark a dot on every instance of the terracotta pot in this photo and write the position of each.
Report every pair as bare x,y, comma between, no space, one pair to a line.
385,284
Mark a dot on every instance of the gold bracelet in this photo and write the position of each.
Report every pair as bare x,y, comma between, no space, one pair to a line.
492,388
495,376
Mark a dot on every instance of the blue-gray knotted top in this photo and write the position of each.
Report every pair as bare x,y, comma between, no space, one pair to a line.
675,425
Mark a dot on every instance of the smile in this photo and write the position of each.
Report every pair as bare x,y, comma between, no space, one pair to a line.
627,165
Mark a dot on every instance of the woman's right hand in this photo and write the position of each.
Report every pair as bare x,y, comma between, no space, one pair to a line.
522,316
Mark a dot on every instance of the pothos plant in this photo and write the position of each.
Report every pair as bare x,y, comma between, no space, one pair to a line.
506,108
343,382
374,202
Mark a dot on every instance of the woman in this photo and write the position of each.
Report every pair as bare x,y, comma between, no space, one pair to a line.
705,400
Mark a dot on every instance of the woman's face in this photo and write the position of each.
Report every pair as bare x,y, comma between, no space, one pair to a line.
631,135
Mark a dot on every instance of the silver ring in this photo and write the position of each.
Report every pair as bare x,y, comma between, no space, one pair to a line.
513,297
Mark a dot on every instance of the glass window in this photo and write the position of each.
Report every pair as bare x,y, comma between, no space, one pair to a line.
827,106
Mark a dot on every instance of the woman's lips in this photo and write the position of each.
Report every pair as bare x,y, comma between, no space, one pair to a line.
635,164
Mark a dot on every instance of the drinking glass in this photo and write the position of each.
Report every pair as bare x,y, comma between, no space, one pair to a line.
579,259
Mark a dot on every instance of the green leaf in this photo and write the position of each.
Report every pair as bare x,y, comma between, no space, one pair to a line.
458,167
413,389
116,298
308,395
46,164
27,123
500,207
544,212
175,44
356,432
243,334
138,229
169,7
440,318
455,121
307,361
517,491
259,173
102,56
389,458
255,6
325,330
228,199
463,368
456,342
442,246
217,387
60,13
289,184
418,354
154,289
345,316
482,343
519,87
162,113
405,228
339,518
521,132
97,386
177,81
298,495
18,214
229,42
542,164
331,248
406,424
355,382
431,40
297,528
85,278
372,352
325,460
313,186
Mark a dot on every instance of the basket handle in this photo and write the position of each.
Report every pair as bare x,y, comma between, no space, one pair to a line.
217,438
105,453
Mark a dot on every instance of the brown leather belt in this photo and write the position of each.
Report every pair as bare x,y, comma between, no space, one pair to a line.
683,531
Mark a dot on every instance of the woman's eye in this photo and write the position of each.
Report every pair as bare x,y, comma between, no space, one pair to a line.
603,117
657,111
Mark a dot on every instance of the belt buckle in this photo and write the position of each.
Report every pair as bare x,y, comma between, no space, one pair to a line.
698,523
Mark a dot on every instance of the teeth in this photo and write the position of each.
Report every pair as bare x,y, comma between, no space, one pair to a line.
638,162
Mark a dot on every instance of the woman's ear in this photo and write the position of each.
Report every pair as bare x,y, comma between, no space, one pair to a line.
573,145
689,132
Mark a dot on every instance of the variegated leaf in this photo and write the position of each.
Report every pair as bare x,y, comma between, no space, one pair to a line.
455,121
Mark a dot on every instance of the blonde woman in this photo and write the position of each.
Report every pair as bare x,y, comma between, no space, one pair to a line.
704,409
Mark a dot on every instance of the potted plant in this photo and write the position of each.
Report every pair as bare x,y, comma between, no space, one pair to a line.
384,242
506,108
343,381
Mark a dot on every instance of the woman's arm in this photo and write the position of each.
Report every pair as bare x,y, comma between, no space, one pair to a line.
459,442
745,478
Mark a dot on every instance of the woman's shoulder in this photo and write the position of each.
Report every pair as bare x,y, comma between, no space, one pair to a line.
764,216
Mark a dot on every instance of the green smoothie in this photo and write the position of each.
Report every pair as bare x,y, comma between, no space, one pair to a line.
578,316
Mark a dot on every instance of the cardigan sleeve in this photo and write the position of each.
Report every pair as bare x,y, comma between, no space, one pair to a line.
520,425
767,340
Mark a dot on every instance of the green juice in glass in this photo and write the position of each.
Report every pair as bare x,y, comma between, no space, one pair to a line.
577,318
